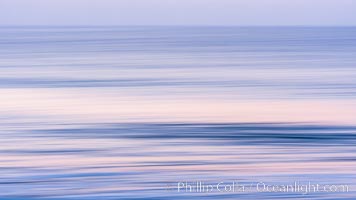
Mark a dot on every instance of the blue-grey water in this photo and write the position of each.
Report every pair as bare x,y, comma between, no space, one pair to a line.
93,113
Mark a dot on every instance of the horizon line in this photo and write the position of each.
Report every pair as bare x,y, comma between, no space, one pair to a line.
166,25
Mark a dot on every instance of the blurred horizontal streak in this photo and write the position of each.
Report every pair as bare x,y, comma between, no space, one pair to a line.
107,113
134,160
242,133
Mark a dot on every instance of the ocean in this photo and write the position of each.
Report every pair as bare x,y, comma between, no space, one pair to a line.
150,112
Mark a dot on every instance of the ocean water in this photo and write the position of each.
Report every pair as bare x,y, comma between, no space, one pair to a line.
177,113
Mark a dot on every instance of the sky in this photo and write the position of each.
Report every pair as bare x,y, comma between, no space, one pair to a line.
179,12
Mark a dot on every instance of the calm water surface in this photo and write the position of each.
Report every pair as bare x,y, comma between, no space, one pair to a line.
138,112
